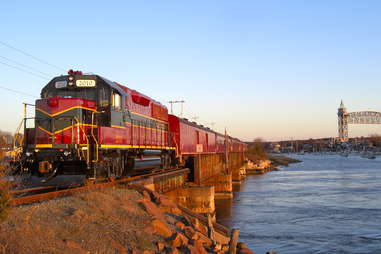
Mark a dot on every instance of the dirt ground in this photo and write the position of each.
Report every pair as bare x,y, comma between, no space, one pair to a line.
116,220
109,221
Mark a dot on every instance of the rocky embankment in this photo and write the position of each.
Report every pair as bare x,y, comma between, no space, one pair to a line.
119,220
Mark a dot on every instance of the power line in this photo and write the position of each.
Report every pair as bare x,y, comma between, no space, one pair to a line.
174,102
26,66
16,91
31,56
23,70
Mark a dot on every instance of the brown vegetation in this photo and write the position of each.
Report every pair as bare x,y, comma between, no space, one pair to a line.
4,188
375,139
4,198
256,151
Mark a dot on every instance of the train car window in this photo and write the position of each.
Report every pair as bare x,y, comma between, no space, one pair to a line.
116,101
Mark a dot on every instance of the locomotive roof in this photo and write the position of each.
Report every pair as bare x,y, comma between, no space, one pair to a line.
108,82
114,85
123,90
130,90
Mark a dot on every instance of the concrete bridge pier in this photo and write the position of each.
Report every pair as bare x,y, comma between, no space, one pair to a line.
210,169
199,199
223,186
237,167
165,182
211,180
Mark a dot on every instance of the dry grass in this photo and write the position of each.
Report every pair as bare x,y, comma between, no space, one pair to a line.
4,200
4,192
109,221
256,153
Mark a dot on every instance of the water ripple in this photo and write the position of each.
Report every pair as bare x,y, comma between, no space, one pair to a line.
327,204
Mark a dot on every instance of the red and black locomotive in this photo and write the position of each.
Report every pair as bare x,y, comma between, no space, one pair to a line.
91,125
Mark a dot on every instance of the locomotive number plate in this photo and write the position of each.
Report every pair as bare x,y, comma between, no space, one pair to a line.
85,83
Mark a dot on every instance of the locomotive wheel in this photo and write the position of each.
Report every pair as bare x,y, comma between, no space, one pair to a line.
115,168
165,161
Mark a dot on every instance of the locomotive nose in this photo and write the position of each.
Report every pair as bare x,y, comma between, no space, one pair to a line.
53,102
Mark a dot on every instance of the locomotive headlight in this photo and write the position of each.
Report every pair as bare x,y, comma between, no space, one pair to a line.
71,78
71,83
66,153
28,154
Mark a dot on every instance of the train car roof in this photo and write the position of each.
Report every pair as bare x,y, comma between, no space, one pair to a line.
194,124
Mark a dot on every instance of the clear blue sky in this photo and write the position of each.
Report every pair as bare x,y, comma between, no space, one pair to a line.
271,69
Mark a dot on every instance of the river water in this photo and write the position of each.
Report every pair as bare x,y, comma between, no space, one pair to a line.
326,204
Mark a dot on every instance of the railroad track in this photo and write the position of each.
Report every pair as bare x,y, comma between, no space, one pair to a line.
50,192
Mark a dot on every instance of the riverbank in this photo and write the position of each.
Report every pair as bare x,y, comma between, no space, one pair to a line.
118,220
263,166
281,160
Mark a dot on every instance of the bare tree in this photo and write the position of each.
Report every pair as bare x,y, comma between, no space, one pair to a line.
256,150
375,139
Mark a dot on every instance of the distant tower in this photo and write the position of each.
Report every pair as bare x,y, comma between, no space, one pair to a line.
343,122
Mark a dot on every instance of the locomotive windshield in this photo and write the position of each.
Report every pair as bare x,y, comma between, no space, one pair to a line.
81,93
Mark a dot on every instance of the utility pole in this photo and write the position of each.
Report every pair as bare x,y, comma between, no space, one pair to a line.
174,102
226,152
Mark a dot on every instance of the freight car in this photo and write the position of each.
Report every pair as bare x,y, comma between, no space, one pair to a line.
90,125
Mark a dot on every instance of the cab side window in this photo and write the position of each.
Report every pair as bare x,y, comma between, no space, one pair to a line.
116,100
103,98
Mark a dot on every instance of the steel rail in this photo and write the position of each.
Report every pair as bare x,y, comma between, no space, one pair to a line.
14,192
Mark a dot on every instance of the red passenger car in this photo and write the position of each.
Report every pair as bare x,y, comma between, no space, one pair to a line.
192,139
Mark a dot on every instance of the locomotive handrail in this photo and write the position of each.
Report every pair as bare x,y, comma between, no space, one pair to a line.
15,138
92,134
87,139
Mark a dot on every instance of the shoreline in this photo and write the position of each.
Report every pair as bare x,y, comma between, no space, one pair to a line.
281,160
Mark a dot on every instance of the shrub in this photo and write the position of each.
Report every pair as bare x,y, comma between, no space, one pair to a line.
256,151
